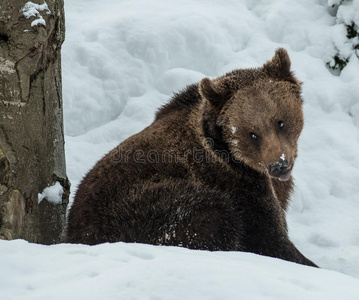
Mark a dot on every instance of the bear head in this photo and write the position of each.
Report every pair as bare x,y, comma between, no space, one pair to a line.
257,114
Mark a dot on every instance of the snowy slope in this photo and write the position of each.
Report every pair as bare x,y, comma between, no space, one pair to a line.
121,61
129,271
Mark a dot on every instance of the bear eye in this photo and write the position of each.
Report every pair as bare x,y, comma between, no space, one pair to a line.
280,124
253,136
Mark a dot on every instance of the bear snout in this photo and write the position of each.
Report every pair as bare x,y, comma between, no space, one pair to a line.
280,169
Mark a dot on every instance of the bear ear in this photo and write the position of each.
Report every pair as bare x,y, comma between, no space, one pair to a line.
215,92
279,67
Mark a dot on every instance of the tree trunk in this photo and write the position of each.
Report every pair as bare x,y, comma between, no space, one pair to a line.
32,153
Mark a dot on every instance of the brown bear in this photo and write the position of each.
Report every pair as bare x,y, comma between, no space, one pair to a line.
212,172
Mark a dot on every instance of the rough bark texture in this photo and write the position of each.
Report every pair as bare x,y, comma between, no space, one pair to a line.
31,122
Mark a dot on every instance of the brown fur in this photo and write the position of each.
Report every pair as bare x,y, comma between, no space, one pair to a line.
196,177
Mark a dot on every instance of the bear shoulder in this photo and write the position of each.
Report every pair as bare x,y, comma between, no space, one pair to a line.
186,99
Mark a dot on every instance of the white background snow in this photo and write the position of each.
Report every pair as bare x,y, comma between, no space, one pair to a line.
121,61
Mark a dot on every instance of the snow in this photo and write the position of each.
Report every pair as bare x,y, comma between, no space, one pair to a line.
235,142
334,2
282,157
347,15
135,271
120,66
348,12
31,9
52,194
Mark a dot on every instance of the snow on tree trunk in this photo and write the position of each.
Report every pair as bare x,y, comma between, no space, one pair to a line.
32,156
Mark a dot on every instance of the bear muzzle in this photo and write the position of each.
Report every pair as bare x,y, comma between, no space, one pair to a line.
280,169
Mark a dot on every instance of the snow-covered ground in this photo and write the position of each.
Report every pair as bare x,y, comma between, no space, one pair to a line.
134,271
121,61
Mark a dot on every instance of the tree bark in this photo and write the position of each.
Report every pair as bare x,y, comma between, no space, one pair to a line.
32,155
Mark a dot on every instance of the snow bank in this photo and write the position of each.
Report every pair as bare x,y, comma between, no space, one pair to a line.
136,271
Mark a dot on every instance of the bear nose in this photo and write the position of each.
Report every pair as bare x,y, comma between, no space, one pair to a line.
277,169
